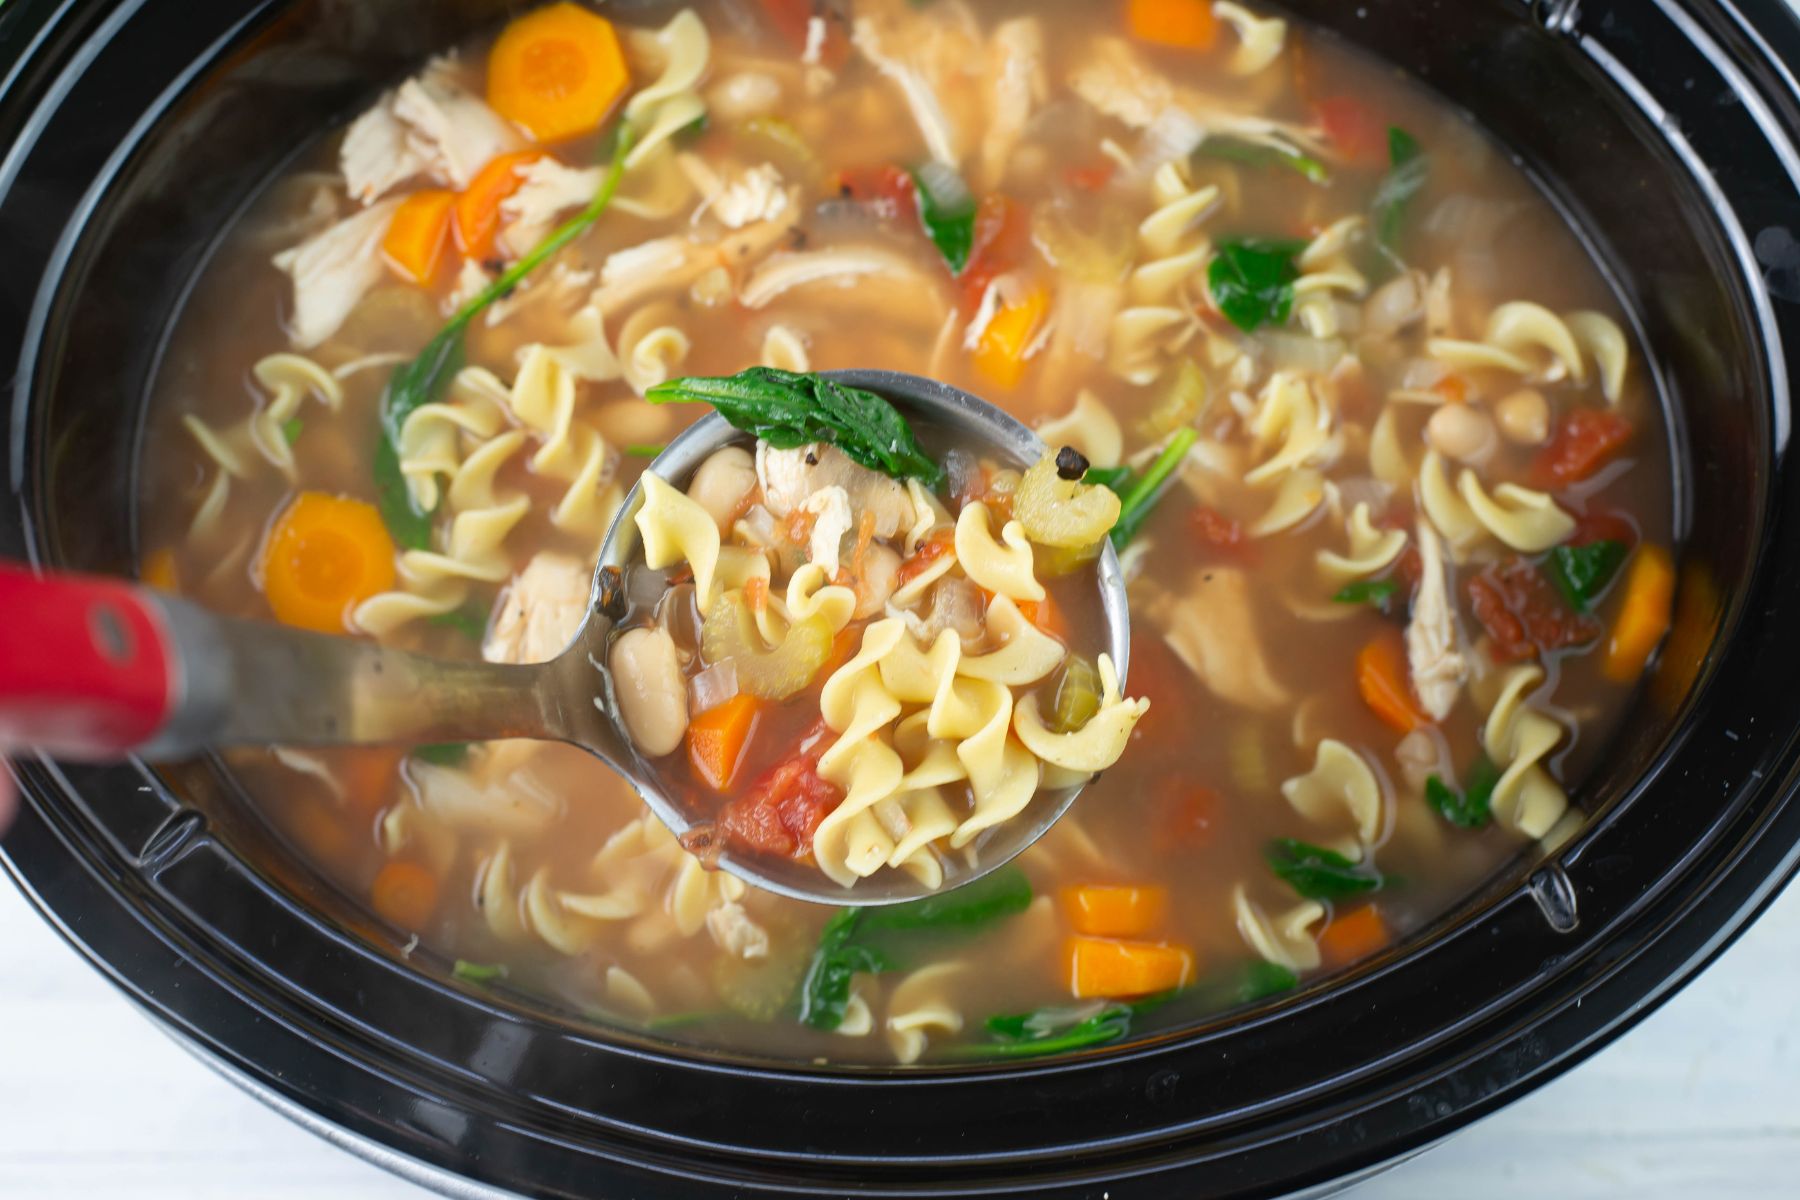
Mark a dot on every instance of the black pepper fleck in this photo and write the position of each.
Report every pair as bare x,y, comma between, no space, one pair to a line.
812,458
493,266
1070,463
612,592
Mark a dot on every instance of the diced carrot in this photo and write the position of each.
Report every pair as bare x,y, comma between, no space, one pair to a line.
1643,616
320,830
1356,934
1115,910
1453,388
717,739
160,572
414,243
1103,967
556,72
1046,615
1184,24
325,555
405,894
368,775
1090,179
477,209
1000,352
1381,678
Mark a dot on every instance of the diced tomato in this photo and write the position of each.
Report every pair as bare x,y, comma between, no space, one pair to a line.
1603,527
1352,128
1091,179
780,814
1002,234
1187,815
1409,568
887,190
1523,613
792,19
1164,680
929,551
1213,529
1586,440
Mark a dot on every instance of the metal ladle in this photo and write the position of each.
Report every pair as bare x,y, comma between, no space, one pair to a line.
99,669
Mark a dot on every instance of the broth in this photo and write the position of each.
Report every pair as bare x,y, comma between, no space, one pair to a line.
1107,270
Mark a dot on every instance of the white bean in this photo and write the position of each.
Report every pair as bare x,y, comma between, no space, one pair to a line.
652,695
1524,417
1461,432
722,482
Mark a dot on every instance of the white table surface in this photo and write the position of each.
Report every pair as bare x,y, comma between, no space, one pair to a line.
1700,1101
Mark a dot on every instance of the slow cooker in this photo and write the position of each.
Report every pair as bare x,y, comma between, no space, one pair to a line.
131,132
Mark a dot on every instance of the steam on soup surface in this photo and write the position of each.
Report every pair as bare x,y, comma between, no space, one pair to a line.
1409,557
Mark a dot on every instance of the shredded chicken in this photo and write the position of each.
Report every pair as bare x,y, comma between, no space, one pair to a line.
333,270
1432,641
790,478
1016,82
734,932
842,264
541,611
547,189
832,519
756,195
459,132
931,55
669,264
380,153
1211,626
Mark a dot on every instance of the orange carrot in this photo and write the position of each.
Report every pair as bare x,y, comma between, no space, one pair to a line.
1643,616
320,830
325,555
1381,678
1115,910
557,72
477,209
368,775
1045,615
160,572
414,243
1103,967
1356,934
1000,351
1184,24
405,894
717,739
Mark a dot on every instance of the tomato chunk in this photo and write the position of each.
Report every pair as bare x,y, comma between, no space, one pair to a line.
1586,440
1213,529
888,191
781,813
1523,614
1002,235
1352,128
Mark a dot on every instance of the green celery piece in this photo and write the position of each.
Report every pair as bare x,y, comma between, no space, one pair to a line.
644,450
1317,873
425,379
1139,499
788,409
474,972
1252,280
291,430
1581,573
1116,478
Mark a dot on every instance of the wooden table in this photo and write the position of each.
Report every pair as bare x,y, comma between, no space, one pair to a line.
1702,1100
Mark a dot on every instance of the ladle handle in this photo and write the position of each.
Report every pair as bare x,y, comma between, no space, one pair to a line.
98,669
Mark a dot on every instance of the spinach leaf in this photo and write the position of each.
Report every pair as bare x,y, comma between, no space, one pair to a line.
1317,873
1406,175
788,409
442,754
1252,280
1581,573
475,972
427,377
291,429
1139,498
645,450
1053,1031
825,989
1264,979
1471,808
946,212
472,623
1376,592
1256,154
1000,894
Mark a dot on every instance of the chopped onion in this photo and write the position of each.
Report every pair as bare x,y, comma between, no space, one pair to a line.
713,686
1172,135
962,472
944,187
1297,351
759,523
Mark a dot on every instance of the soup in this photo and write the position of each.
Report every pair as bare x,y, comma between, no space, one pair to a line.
1395,488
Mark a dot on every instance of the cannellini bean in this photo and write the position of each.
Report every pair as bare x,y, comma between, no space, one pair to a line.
1460,431
1524,417
880,566
652,696
722,482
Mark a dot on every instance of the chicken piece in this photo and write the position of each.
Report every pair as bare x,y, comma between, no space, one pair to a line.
1211,626
842,266
756,195
380,152
1016,83
547,189
932,55
830,507
790,478
1432,639
458,132
333,270
541,610
734,932
670,264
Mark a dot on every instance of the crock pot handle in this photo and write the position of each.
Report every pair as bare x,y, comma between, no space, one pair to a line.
87,668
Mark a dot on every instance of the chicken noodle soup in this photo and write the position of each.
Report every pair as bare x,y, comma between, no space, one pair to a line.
1393,488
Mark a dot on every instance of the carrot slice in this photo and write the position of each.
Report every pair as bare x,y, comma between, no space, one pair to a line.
1356,934
368,775
414,243
477,209
325,555
405,894
160,571
1644,615
556,72
717,739
1115,910
1104,967
1000,351
1183,24
1381,678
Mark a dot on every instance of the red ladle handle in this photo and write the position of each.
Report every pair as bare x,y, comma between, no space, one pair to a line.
87,665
